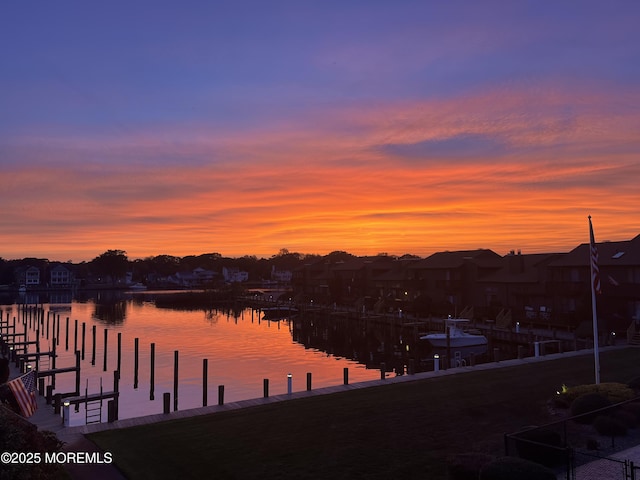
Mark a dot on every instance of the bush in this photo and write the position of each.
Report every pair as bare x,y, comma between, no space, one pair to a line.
18,435
510,468
587,403
609,426
542,446
614,392
467,466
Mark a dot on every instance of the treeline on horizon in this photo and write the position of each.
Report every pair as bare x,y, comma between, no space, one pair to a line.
116,263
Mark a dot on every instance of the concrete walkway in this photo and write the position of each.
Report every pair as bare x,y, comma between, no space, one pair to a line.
75,440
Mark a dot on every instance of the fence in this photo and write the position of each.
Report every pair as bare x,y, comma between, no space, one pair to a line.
575,450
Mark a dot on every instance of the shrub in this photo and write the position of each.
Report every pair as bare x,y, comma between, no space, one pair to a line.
609,426
467,466
18,435
614,392
542,446
509,468
586,403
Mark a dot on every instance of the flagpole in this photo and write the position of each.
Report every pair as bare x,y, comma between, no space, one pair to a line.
593,258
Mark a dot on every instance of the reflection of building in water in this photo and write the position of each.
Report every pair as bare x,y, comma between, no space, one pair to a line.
364,340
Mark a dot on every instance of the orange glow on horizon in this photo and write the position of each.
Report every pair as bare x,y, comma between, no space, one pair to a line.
501,170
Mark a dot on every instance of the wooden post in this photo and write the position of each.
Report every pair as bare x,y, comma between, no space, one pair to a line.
265,387
57,403
77,353
175,380
220,394
166,402
136,343
345,375
153,366
205,375
93,350
308,381
116,391
383,368
48,315
111,414
66,336
75,335
119,360
83,335
58,330
104,367
53,363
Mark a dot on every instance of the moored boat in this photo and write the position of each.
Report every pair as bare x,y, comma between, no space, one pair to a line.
457,338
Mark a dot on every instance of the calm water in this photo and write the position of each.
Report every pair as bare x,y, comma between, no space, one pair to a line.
242,349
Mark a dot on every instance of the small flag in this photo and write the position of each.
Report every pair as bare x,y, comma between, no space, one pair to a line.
595,272
24,391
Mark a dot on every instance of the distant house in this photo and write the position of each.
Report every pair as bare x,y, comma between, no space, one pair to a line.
281,276
28,276
204,276
520,286
60,276
569,285
453,276
196,278
234,275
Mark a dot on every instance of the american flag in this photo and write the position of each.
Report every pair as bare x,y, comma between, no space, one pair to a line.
24,390
595,272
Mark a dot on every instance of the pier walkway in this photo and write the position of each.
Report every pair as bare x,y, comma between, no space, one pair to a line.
75,440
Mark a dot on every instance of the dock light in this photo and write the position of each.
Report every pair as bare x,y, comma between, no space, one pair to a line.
517,327
65,413
289,382
436,363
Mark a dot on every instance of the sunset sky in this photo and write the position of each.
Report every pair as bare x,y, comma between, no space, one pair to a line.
244,127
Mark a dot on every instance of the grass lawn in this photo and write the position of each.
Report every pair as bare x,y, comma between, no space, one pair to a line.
403,430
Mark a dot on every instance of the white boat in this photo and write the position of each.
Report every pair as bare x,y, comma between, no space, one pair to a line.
137,286
457,338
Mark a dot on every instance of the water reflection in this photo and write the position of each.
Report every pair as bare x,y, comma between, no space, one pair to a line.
242,347
112,312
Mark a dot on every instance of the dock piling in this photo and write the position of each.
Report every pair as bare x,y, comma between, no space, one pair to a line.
205,375
136,344
152,373
104,366
175,380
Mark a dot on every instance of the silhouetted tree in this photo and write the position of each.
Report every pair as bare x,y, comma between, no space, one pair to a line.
112,263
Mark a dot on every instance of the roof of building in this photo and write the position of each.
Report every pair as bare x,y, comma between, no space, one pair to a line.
626,252
482,257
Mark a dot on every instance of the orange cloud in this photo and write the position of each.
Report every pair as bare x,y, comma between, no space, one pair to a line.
512,168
